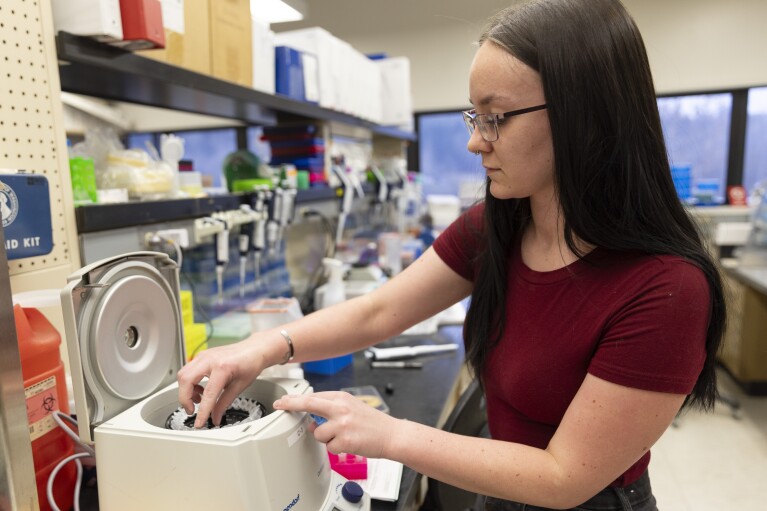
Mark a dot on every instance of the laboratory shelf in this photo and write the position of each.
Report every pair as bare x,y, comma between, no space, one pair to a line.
103,217
99,70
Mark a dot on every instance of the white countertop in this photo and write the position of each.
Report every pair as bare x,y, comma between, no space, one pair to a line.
756,276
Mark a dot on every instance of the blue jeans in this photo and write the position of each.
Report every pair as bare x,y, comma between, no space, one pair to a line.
634,497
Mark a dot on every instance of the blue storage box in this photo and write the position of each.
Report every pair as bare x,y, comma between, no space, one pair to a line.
328,366
682,177
289,73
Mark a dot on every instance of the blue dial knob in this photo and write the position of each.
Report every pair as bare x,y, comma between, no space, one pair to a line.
352,492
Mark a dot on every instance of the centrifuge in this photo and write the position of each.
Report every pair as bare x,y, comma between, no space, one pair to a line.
125,344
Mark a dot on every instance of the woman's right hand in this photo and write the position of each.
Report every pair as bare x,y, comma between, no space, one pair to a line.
229,369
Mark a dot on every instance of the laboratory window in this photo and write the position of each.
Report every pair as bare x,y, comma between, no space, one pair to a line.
205,148
446,166
260,148
697,133
755,158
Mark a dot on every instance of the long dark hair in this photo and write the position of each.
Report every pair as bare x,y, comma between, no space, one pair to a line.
612,171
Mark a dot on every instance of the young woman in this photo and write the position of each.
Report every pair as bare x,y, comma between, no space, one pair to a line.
596,313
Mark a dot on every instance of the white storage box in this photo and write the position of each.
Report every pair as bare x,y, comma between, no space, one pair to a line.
365,78
444,209
99,19
396,95
263,58
317,41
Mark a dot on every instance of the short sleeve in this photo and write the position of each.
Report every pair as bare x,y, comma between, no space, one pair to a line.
459,244
656,339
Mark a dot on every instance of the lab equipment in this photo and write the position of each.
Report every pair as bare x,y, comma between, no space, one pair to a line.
350,466
222,257
318,419
125,346
408,351
399,364
243,241
258,238
754,253
346,201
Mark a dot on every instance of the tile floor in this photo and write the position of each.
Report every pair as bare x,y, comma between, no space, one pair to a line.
713,462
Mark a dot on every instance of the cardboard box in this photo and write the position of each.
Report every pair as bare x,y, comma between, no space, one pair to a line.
99,19
196,48
231,39
187,35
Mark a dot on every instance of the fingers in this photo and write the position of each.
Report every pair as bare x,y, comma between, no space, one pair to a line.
319,403
227,396
209,399
197,391
189,390
225,382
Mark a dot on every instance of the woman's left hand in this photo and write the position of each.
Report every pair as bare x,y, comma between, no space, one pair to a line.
352,426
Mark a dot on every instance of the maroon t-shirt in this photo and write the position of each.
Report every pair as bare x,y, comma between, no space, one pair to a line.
631,319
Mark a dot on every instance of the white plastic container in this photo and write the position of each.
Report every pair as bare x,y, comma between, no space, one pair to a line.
333,291
268,313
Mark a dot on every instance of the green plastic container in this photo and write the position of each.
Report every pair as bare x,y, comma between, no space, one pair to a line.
248,185
240,166
83,180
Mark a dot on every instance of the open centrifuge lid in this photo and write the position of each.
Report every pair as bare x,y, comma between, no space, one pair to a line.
124,333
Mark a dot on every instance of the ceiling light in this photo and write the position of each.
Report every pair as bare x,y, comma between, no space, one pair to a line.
278,11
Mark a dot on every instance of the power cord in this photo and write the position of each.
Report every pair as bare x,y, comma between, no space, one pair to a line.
59,418
180,260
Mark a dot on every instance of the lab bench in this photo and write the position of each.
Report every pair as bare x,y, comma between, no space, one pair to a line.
744,354
422,395
419,395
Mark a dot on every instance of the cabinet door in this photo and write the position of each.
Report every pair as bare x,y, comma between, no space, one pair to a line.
745,346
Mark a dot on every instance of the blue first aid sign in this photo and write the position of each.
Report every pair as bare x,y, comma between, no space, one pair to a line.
25,210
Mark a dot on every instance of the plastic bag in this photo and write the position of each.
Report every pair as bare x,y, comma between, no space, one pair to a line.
134,170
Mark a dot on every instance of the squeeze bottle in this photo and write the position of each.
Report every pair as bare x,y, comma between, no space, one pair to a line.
333,291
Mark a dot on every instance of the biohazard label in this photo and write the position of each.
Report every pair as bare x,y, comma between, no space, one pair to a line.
41,403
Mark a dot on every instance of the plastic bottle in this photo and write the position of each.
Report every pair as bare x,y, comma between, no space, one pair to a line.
328,294
45,391
333,291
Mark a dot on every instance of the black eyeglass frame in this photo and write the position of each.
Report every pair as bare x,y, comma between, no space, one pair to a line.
473,119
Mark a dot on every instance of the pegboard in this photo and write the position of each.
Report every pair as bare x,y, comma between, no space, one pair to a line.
32,136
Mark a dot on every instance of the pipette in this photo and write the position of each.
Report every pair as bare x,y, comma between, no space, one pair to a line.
407,351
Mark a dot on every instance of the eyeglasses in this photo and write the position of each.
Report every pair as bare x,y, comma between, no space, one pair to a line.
488,123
